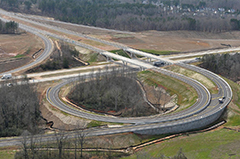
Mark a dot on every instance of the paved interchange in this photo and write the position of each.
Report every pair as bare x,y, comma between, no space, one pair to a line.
205,111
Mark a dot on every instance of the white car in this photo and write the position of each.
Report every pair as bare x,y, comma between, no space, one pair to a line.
9,84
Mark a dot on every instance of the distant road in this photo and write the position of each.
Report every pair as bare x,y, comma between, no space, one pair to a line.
201,53
72,24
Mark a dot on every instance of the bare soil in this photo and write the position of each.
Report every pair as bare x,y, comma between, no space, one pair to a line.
164,99
24,44
182,41
50,113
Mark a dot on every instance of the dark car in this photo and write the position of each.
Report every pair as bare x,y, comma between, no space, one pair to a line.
159,63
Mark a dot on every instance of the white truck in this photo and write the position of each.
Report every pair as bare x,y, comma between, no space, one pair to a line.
6,76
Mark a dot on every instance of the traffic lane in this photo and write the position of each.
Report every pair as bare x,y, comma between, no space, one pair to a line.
223,86
54,99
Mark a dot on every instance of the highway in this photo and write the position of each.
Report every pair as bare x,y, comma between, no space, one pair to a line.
167,58
215,51
203,112
51,27
72,24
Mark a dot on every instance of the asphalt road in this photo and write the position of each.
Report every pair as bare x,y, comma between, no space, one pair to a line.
213,107
203,101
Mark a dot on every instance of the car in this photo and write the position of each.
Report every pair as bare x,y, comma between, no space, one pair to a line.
198,58
220,100
159,63
9,84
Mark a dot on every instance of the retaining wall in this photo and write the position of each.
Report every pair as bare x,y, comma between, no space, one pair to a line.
182,126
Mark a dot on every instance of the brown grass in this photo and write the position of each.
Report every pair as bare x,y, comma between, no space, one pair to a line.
24,44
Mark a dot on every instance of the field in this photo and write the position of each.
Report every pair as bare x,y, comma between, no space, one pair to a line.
177,41
16,50
217,144
7,153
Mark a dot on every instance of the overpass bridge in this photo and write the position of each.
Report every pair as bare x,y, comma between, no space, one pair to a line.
110,56
148,56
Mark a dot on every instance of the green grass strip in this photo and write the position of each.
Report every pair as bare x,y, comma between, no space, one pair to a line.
120,52
18,56
236,91
157,52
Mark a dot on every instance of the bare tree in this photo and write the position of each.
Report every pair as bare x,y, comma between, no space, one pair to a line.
25,142
75,145
81,137
115,92
33,141
60,139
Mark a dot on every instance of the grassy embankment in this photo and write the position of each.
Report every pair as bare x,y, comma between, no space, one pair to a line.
185,93
92,58
234,106
221,143
7,153
121,53
215,144
210,85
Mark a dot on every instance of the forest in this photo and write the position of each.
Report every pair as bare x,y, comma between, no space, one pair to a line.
224,64
111,91
8,27
135,15
19,109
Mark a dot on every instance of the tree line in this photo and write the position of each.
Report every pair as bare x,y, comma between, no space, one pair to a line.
62,145
19,109
133,16
224,64
8,27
